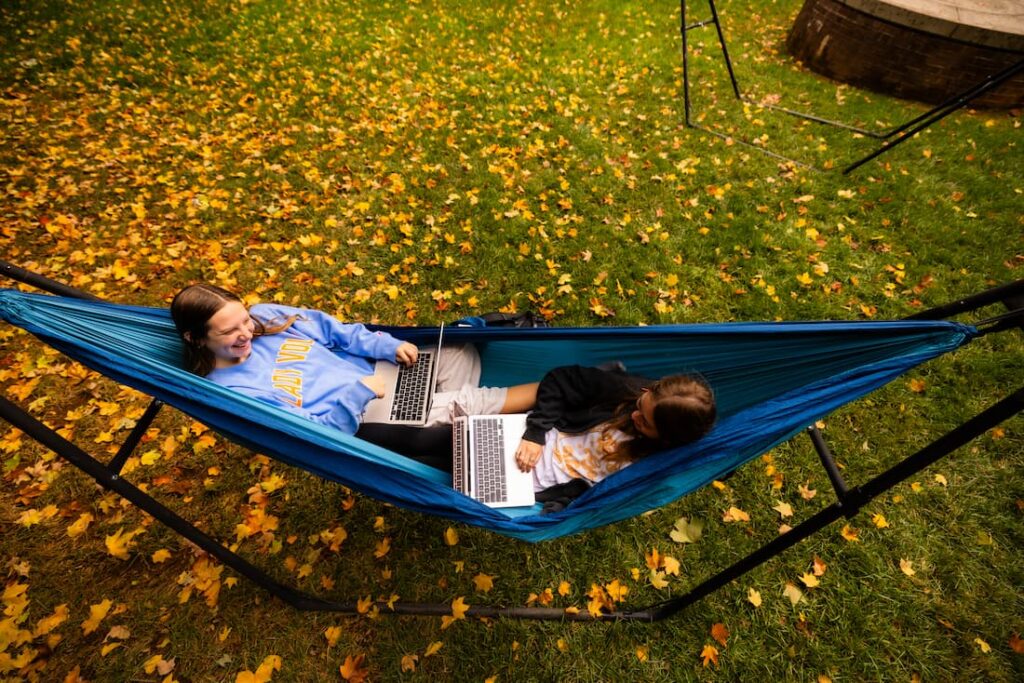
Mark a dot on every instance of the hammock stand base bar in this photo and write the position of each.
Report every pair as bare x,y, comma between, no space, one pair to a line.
890,138
848,502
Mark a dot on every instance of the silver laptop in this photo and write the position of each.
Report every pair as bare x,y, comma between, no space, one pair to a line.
410,389
484,463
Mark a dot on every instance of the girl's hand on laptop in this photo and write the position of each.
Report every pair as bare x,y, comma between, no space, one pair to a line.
376,383
528,454
407,354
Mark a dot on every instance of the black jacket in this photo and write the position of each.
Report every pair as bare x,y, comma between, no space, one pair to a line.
574,398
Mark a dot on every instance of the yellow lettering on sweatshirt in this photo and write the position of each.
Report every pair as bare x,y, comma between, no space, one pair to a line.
294,350
288,381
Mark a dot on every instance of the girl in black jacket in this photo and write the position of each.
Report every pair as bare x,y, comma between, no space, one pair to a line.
590,422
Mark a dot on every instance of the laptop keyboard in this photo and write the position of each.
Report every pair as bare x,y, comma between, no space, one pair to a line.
489,453
411,390
459,456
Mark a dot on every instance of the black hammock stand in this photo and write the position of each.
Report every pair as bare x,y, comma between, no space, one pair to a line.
889,138
849,499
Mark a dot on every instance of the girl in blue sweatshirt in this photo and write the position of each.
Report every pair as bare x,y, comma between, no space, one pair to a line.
309,363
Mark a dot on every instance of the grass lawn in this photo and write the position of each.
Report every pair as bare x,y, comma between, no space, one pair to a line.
412,162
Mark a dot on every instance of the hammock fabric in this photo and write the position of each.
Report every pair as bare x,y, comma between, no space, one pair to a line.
771,380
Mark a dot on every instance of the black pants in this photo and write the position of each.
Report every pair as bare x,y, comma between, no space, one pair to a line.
429,445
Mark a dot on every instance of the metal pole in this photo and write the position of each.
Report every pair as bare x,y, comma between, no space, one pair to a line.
973,302
686,69
46,284
725,50
959,102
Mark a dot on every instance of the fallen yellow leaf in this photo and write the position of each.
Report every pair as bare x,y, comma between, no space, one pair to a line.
332,633
793,593
97,613
809,579
734,514
483,582
353,669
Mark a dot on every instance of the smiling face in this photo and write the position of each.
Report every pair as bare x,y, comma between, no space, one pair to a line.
229,334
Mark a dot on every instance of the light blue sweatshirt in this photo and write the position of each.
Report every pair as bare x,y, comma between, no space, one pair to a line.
312,368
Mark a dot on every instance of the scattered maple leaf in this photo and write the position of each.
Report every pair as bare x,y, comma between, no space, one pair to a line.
264,672
409,662
332,633
906,566
653,559
158,664
658,579
616,590
353,669
97,613
1016,643
720,633
118,633
671,565
784,509
459,608
451,536
433,648
809,579
687,531
806,492
983,646
47,624
818,566
941,480
849,533
734,514
793,593
754,597
120,542
642,653
483,582
709,655
879,520
78,527
161,555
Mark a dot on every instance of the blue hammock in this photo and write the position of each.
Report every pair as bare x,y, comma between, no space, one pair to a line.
771,380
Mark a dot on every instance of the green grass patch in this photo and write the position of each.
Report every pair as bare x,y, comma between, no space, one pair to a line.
407,163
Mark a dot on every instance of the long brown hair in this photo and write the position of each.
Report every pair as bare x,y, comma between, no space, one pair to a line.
191,311
684,411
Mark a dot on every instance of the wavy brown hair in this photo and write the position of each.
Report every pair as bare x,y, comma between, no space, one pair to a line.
684,411
191,311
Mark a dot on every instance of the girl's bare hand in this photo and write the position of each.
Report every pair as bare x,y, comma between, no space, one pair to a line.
407,354
528,454
376,384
